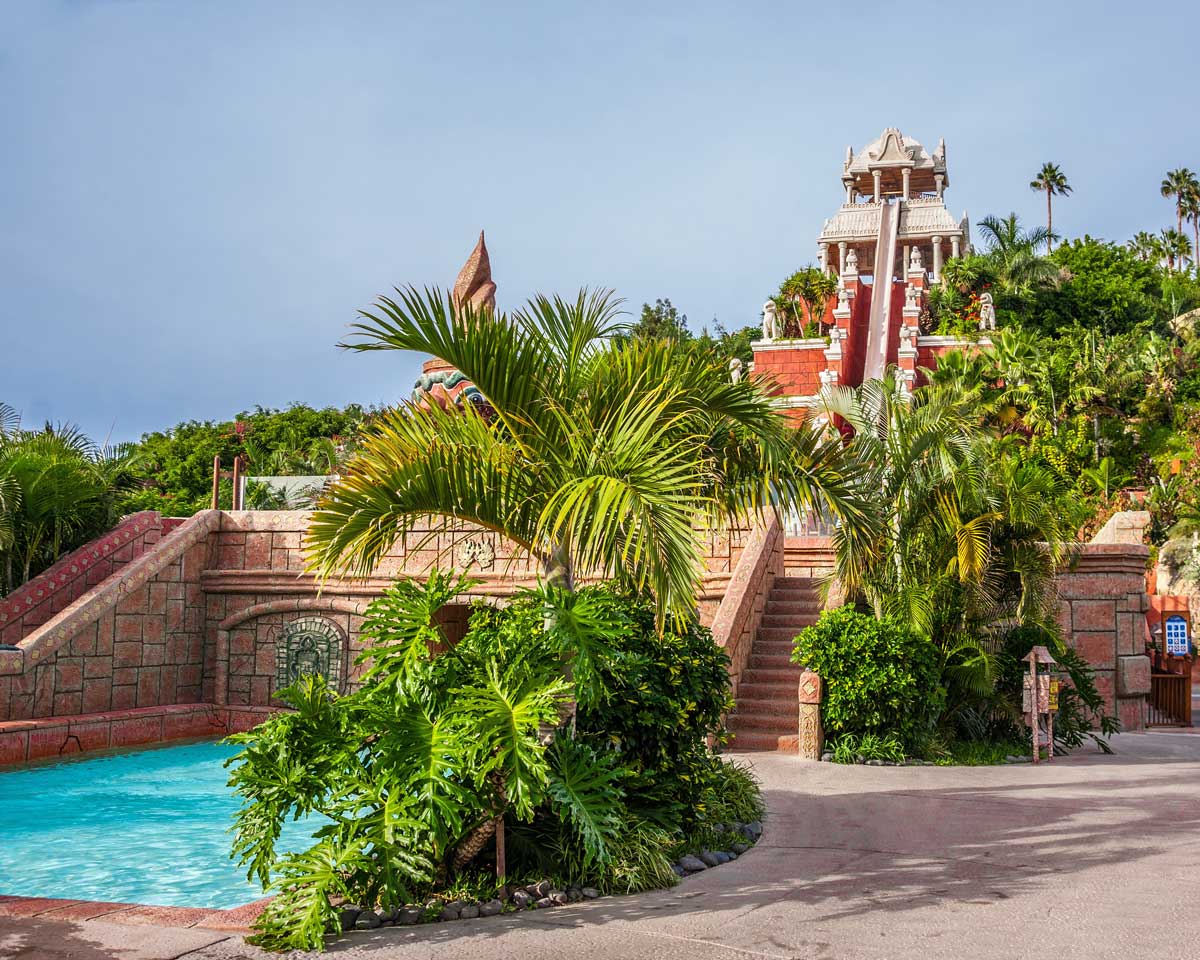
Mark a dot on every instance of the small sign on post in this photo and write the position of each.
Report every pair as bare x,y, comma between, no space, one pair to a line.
1039,698
1176,630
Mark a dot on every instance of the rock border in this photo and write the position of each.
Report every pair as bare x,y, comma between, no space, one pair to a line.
533,896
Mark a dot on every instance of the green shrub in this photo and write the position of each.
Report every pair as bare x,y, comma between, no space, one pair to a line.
663,698
881,677
850,748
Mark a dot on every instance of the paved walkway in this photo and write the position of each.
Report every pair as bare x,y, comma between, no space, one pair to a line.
1093,856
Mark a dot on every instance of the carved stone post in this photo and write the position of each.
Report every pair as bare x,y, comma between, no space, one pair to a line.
812,734
876,176
937,259
906,173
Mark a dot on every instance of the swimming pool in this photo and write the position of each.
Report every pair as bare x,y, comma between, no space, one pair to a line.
147,826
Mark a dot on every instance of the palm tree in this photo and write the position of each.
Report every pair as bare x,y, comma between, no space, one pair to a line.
1178,184
1011,253
1054,182
1191,210
957,511
595,455
1176,247
1146,246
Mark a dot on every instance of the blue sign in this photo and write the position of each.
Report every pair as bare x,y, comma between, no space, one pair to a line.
1177,636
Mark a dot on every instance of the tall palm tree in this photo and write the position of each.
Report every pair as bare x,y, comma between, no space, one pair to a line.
1191,211
1146,246
1053,182
596,455
1012,254
1176,247
956,510
1178,184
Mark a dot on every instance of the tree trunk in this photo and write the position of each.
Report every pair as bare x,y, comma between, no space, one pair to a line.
1049,223
557,568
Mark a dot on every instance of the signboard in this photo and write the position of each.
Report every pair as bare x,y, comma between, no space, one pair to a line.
1176,630
1054,695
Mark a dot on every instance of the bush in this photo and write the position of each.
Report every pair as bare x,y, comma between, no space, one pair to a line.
881,676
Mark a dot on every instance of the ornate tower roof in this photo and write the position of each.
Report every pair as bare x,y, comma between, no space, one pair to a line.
474,284
890,154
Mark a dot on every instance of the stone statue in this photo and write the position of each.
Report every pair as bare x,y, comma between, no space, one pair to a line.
474,284
987,312
843,296
770,321
916,263
910,295
735,369
852,261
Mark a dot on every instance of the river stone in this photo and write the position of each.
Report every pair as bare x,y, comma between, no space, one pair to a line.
739,848
560,898
574,894
722,856
368,920
709,858
450,911
691,864
590,893
407,916
677,870
754,828
489,908
521,899
347,916
544,903
469,912
827,756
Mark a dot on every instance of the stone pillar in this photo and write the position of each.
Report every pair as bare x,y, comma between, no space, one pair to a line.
956,247
811,734
876,175
906,173
842,257
940,180
849,191
937,260
905,254
826,267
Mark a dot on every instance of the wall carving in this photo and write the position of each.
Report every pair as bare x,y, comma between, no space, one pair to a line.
310,645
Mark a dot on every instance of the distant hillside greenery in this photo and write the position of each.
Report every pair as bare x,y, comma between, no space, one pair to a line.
175,466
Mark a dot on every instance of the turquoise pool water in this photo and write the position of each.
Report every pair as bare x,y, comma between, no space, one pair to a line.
148,826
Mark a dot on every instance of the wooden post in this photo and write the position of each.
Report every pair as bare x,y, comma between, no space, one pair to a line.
237,482
1033,706
216,497
501,859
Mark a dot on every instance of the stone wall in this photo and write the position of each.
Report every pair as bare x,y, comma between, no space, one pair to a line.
32,604
202,618
736,620
1102,609
134,640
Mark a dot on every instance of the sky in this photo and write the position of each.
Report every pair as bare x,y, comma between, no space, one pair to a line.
197,195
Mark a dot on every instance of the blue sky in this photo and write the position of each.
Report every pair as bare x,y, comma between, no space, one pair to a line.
195,197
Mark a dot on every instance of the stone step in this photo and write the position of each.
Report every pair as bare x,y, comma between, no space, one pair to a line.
790,675
752,708
778,723
770,661
794,596
797,583
761,690
757,742
777,634
796,621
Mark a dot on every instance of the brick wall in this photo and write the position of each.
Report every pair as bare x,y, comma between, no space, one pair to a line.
1102,609
794,365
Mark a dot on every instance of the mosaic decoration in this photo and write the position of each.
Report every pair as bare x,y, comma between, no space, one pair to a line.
310,645
479,552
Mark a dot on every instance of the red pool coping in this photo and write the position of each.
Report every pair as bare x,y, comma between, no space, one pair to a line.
22,741
235,920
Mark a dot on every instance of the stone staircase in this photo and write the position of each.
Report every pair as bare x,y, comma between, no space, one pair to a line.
766,715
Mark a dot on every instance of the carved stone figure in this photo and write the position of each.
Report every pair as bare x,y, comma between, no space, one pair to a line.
735,369
851,261
987,312
910,296
770,321
843,296
309,646
916,263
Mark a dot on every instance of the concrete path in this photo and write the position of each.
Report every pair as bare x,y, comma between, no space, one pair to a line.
1092,856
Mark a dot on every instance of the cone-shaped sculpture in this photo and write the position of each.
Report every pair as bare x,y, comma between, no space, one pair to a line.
474,284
